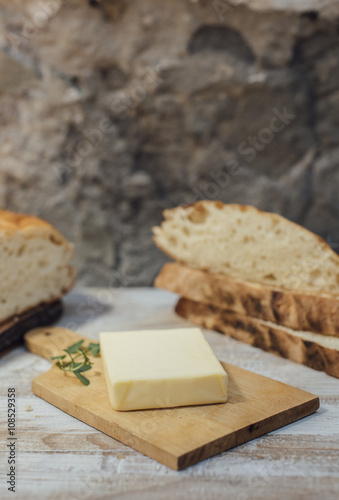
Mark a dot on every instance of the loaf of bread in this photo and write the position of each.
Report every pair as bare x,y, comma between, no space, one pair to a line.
34,264
246,243
316,351
312,311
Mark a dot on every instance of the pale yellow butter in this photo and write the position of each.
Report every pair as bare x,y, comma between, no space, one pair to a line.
161,369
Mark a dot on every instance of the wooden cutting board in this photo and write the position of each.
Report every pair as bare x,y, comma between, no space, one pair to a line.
176,437
12,331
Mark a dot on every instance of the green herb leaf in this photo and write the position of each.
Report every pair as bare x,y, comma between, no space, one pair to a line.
82,379
78,359
83,368
94,348
75,366
86,358
72,349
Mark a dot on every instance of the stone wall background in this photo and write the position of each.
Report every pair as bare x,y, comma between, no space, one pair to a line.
113,110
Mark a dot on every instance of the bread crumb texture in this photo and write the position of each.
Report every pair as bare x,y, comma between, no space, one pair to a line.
244,242
34,265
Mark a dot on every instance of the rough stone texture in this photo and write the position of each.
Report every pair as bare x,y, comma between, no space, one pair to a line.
113,110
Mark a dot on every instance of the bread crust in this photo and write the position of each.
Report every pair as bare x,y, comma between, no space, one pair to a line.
11,222
31,226
299,311
11,320
199,208
262,335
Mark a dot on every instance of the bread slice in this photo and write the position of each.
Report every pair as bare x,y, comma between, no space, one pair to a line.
301,311
249,244
316,351
34,264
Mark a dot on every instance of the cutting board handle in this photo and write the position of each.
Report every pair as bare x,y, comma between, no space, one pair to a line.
50,341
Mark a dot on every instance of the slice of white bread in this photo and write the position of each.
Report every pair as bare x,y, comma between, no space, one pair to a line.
248,244
34,264
316,351
300,311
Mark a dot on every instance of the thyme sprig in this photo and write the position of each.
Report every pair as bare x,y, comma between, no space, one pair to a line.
79,361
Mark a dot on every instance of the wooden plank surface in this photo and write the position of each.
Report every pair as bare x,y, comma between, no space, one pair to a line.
59,455
176,437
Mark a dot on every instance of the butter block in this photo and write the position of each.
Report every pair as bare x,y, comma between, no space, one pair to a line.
161,369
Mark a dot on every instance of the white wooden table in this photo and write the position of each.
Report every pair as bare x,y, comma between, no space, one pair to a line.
59,456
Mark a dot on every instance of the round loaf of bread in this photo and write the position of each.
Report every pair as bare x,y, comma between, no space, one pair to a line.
34,264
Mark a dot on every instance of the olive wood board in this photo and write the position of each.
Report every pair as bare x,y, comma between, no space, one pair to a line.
175,437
